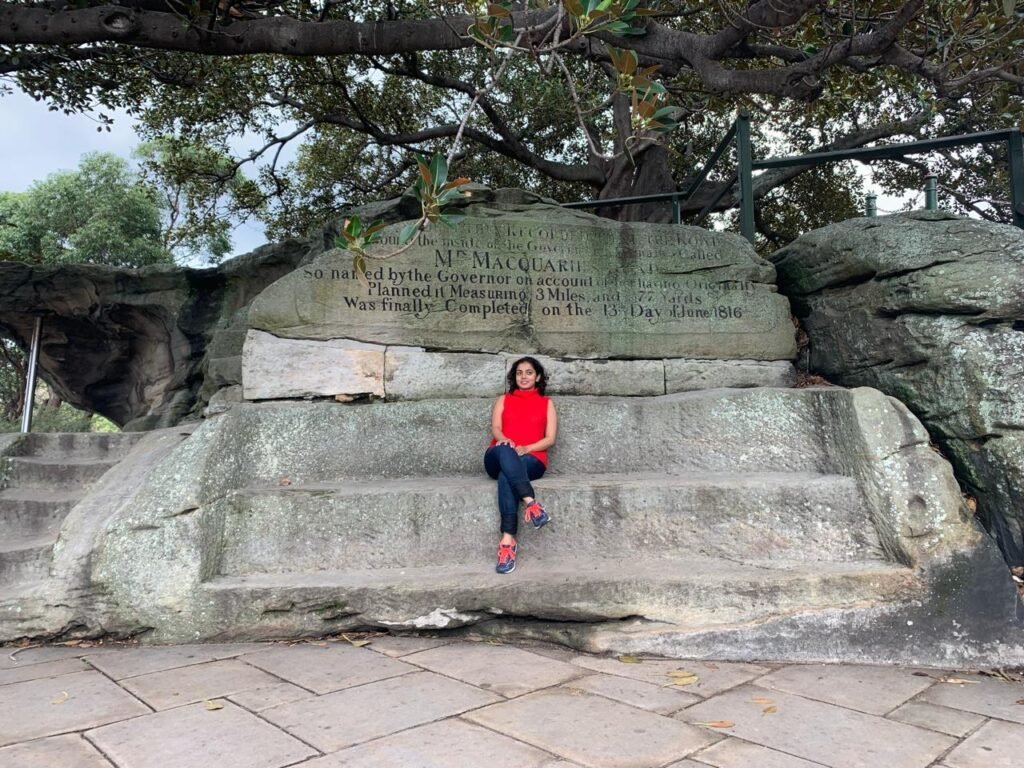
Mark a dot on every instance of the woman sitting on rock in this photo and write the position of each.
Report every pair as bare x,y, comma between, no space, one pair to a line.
523,425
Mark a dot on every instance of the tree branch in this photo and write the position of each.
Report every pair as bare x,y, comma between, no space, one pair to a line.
41,25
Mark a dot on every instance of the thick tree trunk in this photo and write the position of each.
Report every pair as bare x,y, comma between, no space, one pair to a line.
646,173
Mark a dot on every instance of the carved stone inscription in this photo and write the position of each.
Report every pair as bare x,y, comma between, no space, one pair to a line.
512,283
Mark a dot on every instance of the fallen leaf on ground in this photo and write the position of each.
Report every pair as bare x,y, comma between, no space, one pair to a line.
718,723
629,660
682,677
355,641
710,665
61,699
769,710
284,481
214,705
956,680
762,700
1020,701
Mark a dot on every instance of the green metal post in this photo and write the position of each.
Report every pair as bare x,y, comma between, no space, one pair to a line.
744,173
931,192
871,205
1017,177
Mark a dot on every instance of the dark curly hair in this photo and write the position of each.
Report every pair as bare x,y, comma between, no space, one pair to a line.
542,379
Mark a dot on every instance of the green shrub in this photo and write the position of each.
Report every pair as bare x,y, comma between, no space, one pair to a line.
63,418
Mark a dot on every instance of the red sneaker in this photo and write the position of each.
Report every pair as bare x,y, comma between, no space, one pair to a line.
506,558
534,513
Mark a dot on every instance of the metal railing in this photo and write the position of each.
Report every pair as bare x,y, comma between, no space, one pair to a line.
742,178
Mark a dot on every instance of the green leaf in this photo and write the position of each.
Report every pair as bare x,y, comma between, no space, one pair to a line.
408,232
450,219
439,170
375,227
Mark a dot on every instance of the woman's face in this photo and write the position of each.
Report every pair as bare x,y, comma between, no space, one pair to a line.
526,376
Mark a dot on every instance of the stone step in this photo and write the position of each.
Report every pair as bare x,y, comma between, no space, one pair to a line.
692,593
34,511
26,558
438,521
756,430
55,474
78,445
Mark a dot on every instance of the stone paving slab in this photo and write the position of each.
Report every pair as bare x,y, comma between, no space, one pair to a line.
55,705
636,693
820,732
942,719
448,744
389,711
130,662
199,682
875,690
258,699
984,695
23,657
995,745
503,669
45,669
713,677
195,737
354,715
398,645
592,730
734,753
70,751
326,668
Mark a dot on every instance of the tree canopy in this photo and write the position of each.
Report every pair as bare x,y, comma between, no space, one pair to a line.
98,214
572,98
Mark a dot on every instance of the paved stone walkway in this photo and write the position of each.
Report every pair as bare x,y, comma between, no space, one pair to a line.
414,702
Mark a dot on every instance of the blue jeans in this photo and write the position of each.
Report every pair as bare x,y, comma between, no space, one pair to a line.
513,473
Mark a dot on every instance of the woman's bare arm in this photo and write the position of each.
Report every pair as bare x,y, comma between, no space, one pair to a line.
550,433
496,412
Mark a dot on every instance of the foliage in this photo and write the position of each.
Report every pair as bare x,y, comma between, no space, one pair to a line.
434,192
61,418
200,193
12,380
569,97
98,214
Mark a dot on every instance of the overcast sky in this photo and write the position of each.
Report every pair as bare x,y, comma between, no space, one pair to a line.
37,142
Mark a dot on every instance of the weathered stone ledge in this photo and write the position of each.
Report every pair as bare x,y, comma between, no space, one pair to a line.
276,368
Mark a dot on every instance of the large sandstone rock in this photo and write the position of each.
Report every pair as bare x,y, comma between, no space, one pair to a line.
929,308
144,347
760,523
535,277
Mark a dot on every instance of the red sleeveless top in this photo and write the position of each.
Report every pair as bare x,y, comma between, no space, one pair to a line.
524,419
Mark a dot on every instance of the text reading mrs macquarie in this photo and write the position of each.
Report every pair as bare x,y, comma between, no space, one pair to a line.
513,284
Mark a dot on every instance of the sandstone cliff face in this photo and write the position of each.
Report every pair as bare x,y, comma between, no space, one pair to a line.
146,347
929,308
